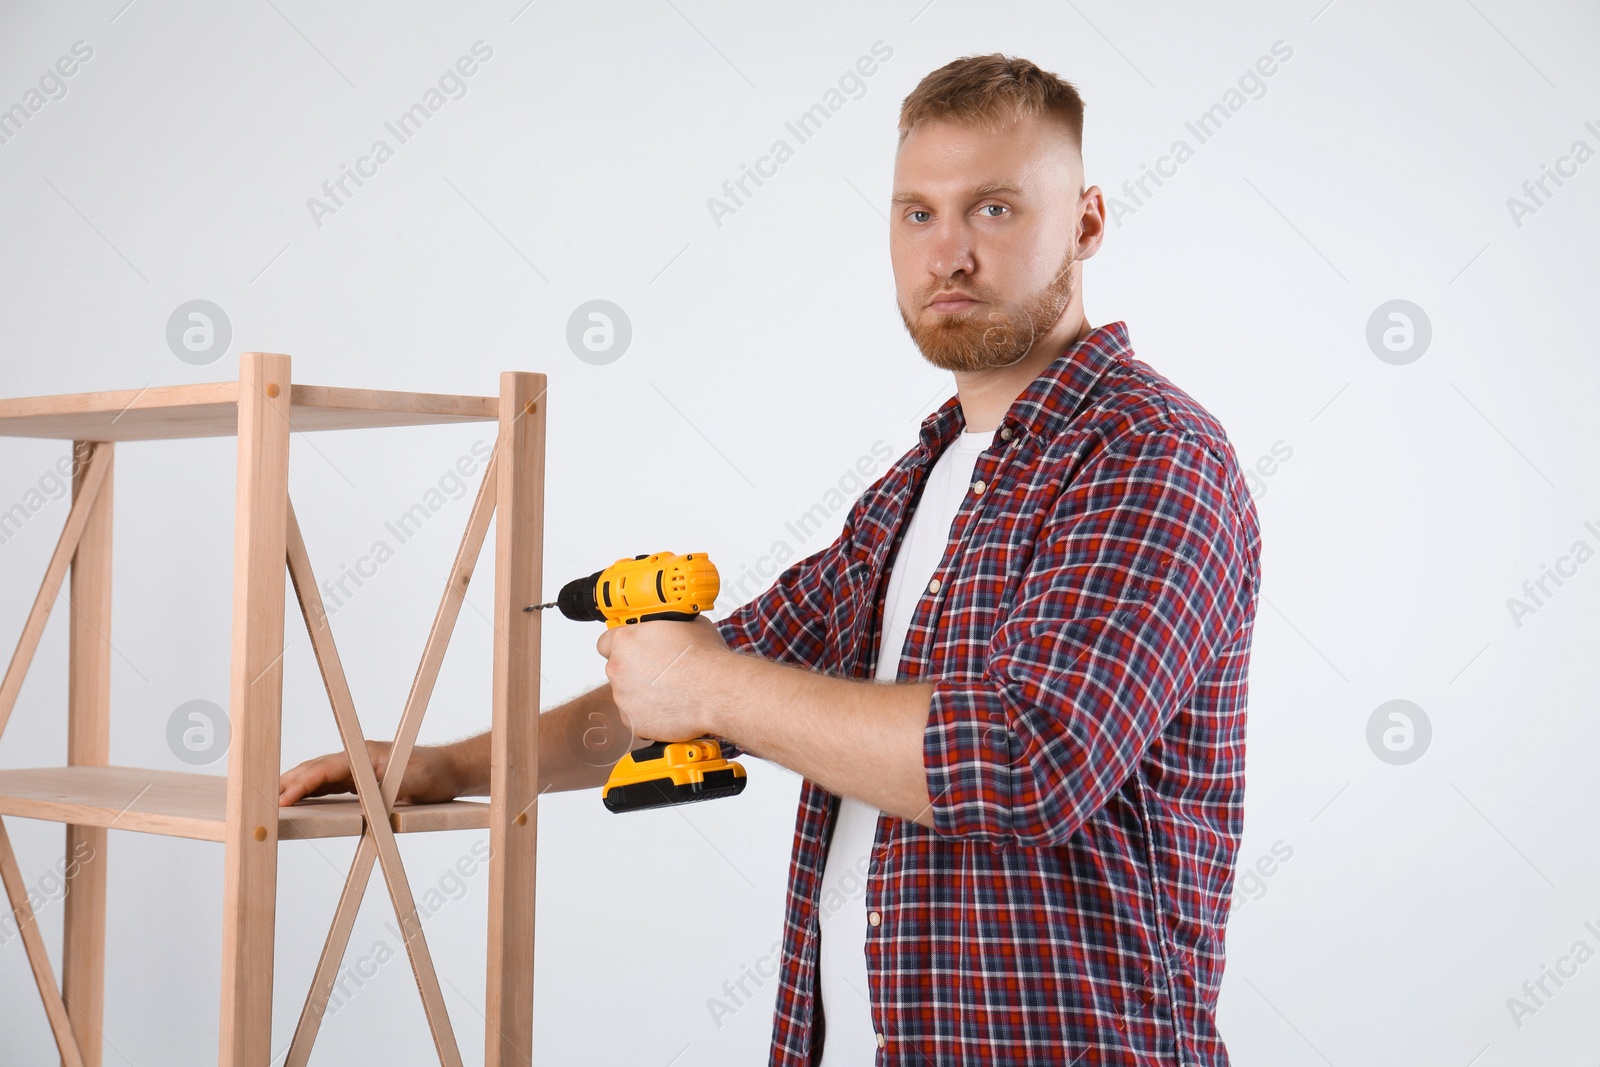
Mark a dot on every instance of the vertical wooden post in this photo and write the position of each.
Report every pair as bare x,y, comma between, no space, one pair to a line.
88,744
255,704
514,760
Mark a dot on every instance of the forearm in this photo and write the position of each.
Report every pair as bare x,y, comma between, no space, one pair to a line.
579,742
859,739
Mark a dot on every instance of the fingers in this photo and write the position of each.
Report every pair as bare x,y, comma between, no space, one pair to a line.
328,774
315,778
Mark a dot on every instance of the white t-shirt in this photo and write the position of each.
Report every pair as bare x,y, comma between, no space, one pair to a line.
851,1039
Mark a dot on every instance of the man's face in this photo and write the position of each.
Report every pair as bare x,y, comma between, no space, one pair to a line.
984,236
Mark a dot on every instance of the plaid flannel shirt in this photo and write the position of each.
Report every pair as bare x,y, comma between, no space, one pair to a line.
1088,635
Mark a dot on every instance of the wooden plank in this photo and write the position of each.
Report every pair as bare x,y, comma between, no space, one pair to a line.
444,621
211,410
363,408
83,944
255,706
55,571
121,414
370,794
194,806
514,760
38,959
172,803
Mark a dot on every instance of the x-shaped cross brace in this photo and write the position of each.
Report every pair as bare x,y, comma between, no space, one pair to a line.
378,797
55,1007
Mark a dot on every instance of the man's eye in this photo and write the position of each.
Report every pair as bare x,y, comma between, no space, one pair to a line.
914,215
997,207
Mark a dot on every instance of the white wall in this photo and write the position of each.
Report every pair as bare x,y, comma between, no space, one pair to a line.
1374,165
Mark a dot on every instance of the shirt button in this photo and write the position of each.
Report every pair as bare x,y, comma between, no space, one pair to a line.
1005,433
874,918
933,586
978,487
881,1041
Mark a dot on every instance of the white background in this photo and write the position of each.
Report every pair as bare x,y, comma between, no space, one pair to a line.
1376,165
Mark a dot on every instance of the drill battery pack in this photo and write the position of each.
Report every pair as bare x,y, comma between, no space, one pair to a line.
672,772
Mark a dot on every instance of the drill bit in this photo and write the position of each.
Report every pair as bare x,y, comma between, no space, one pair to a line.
540,607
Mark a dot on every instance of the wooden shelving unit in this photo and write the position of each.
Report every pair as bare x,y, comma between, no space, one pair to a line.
91,796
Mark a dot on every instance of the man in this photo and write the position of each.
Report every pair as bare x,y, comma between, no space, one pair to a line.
1015,685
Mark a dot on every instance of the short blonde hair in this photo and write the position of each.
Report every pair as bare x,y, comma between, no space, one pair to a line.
991,91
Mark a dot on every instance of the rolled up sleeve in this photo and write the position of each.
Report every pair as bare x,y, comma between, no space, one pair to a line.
1134,585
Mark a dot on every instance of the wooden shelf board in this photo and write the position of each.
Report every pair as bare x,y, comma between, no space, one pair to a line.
183,804
212,410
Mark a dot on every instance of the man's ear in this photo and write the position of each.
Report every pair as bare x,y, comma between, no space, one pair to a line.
1091,221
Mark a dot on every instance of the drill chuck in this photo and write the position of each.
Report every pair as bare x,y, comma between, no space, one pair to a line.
577,599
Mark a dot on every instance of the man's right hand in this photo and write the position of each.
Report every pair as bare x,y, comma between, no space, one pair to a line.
430,775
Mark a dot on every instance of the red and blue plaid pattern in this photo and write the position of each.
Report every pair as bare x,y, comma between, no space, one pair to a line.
1089,639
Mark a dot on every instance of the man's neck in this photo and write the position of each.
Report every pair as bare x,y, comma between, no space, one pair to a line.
987,395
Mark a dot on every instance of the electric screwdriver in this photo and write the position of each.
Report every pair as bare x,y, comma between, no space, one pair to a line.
662,586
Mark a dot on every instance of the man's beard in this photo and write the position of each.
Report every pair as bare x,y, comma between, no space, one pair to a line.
995,334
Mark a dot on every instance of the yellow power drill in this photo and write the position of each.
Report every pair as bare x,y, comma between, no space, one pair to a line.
655,587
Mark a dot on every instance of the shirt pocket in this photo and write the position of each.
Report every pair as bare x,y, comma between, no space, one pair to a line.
997,552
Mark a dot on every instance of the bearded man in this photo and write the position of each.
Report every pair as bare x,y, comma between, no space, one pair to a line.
1014,686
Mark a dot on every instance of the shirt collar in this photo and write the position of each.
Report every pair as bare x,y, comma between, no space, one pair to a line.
1050,401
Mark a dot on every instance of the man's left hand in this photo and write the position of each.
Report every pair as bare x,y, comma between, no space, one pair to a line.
659,673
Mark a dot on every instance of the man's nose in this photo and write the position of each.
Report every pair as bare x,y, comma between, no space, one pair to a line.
949,250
